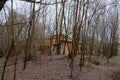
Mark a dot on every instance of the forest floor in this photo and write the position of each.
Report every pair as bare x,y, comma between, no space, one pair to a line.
58,69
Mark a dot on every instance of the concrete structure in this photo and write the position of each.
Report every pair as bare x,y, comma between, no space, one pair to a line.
44,47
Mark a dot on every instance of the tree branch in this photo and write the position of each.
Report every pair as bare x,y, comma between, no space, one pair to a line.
2,3
40,2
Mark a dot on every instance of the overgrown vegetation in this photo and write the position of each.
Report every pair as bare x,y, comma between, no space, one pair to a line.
91,25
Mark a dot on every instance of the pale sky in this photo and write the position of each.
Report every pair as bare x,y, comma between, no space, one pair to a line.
23,8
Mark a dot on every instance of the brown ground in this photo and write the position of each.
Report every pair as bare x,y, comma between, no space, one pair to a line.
58,69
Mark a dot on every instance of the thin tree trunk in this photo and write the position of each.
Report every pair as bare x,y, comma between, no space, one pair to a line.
15,68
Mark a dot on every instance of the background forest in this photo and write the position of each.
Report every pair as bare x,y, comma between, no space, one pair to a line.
94,24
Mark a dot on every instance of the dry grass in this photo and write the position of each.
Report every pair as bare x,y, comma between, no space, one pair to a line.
58,69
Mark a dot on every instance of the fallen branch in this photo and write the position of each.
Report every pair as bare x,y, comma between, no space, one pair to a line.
9,64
